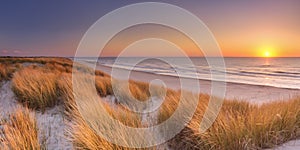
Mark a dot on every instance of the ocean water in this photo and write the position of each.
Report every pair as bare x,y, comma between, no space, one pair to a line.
276,72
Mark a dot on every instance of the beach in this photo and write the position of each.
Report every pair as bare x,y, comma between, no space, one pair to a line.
244,92
59,124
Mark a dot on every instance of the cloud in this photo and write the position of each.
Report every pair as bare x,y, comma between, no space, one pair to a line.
12,52
17,52
4,52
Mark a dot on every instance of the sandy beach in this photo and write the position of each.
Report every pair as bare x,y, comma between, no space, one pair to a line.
56,129
251,93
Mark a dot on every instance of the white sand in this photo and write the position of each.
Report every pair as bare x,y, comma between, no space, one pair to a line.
7,99
52,127
291,145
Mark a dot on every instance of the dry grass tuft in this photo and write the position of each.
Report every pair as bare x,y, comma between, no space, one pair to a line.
103,85
241,125
82,135
131,91
58,68
35,88
20,131
7,70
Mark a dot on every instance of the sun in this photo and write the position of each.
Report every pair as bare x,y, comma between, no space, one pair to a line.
267,54
267,51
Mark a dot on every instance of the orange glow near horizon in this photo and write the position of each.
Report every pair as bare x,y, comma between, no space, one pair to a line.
268,51
248,46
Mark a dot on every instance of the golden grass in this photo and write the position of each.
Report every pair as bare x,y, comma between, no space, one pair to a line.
241,125
82,135
103,85
55,64
35,88
58,68
131,91
169,105
35,85
20,131
7,70
39,60
139,90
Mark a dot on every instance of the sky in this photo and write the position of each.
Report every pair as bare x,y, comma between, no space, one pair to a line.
253,28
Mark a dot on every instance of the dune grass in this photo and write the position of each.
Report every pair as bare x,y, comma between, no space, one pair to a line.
130,91
82,135
35,83
241,125
35,88
7,70
20,131
56,64
103,85
38,60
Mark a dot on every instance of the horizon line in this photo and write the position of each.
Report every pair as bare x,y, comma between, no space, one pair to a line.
155,56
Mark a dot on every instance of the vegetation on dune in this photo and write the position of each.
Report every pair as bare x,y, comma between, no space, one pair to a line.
35,88
103,85
45,81
241,125
82,135
20,131
7,70
38,60
35,83
56,64
130,91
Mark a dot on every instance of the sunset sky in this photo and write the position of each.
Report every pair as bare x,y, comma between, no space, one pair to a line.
256,28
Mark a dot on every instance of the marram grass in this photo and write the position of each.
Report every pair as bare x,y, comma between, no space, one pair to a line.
20,131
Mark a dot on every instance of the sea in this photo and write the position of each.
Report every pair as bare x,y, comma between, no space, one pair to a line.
275,72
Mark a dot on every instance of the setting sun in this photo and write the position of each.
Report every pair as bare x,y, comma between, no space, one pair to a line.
267,51
267,54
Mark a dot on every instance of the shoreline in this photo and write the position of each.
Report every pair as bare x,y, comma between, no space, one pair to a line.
228,82
245,92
